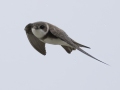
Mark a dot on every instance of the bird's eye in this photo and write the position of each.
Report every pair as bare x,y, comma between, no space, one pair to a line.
42,27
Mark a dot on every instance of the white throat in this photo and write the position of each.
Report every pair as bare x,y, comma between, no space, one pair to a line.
39,33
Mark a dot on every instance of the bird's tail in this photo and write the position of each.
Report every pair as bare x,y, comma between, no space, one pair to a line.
79,45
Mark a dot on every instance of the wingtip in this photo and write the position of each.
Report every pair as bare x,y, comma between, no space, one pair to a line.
107,64
86,47
89,48
102,61
91,56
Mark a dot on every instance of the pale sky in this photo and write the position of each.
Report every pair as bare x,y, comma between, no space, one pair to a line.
94,23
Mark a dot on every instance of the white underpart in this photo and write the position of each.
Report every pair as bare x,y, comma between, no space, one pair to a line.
55,42
38,33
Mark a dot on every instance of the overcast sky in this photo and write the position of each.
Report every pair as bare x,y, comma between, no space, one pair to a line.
94,23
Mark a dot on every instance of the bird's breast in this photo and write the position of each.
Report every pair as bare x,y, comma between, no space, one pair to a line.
38,33
55,41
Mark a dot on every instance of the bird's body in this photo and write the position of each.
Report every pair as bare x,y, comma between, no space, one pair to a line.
55,41
40,33
50,38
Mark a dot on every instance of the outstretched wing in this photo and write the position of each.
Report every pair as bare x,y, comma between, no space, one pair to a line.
63,36
35,42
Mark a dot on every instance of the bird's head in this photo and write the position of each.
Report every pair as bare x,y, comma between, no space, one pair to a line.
40,29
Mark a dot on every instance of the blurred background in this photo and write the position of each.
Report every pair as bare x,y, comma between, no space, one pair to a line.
94,23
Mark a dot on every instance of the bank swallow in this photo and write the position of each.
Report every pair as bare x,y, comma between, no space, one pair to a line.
40,33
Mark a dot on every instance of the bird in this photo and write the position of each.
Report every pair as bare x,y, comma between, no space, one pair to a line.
39,33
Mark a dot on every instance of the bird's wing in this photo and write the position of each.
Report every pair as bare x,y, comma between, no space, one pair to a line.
63,36
36,43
